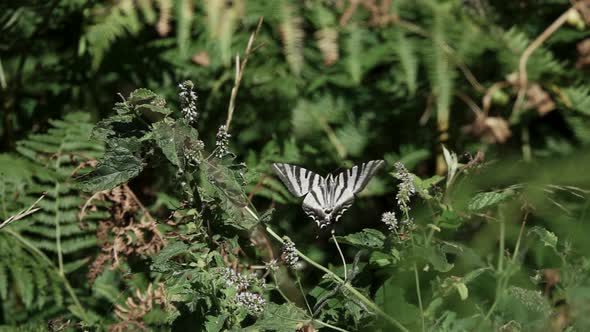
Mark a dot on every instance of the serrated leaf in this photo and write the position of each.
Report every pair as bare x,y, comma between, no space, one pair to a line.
176,139
390,297
117,166
488,199
215,323
280,318
367,238
548,238
435,256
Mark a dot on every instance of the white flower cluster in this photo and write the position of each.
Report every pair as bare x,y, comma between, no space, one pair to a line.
222,143
253,302
390,220
188,101
235,279
289,254
406,188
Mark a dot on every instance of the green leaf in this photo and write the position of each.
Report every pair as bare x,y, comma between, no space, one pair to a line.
368,238
177,140
390,297
280,318
435,256
488,199
215,323
117,166
423,186
162,261
462,290
548,238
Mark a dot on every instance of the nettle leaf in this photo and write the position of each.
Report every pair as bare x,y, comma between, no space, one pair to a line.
162,261
280,318
423,186
215,323
176,139
117,166
548,238
390,297
435,256
488,199
368,238
449,219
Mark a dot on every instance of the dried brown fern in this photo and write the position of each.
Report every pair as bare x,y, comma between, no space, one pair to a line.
292,35
136,307
122,235
327,40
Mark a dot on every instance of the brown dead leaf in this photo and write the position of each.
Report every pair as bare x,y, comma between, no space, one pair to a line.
539,99
583,53
202,59
490,129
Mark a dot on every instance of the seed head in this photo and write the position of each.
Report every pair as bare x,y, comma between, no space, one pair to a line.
188,101
406,187
253,302
222,143
290,254
390,220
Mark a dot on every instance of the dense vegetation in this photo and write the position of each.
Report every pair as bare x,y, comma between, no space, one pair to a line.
137,137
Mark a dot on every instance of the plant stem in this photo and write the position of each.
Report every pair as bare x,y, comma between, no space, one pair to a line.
341,256
303,293
335,277
524,59
419,296
239,73
330,326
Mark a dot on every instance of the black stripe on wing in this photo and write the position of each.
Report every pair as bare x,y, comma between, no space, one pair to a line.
298,180
357,178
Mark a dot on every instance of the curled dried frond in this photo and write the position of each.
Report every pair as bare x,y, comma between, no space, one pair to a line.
163,25
122,235
490,129
539,99
136,307
292,35
327,40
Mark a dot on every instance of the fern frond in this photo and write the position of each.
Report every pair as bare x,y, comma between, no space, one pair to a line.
541,62
354,52
55,156
406,51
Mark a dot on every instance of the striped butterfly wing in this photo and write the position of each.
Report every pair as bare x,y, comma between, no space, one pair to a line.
298,180
327,203
357,178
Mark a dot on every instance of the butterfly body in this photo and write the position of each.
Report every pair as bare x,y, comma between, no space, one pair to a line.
326,198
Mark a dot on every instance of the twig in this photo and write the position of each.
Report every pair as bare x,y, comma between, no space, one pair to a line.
239,73
524,59
32,209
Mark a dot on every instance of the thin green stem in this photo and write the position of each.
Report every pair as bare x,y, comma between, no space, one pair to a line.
416,276
341,256
303,293
502,244
279,289
419,296
330,326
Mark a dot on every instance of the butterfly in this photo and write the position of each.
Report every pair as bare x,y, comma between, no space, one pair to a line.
326,198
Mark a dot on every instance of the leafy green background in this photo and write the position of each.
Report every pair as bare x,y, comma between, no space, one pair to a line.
329,84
